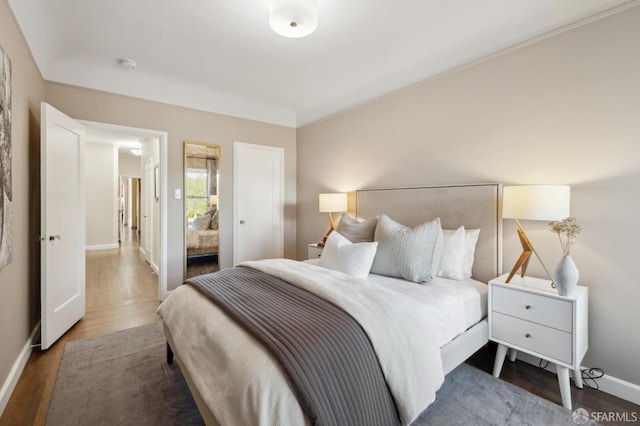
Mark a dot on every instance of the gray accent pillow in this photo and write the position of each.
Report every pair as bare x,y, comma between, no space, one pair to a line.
200,223
406,252
211,211
357,232
215,220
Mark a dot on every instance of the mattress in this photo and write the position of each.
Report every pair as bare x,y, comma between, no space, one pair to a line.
460,304
467,297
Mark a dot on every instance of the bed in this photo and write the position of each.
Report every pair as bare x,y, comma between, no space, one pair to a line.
234,380
202,237
201,242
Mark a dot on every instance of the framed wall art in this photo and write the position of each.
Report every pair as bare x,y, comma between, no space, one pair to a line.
6,195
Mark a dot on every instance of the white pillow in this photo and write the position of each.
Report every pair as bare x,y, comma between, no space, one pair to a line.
342,255
453,254
471,239
437,254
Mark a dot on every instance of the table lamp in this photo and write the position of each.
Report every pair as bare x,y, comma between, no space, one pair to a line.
533,202
331,203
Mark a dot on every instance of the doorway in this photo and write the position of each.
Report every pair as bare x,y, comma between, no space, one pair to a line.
150,231
66,157
128,205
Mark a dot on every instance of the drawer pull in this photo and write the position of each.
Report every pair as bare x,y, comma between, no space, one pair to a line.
527,335
528,307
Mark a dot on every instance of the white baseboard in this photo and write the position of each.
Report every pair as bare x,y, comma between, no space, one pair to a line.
155,268
102,247
16,371
144,254
609,384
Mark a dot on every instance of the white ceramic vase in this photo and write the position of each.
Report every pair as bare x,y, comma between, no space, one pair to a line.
566,276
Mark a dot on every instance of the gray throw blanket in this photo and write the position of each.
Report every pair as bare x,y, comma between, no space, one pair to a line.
323,351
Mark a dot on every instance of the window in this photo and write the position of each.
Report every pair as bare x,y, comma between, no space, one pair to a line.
196,200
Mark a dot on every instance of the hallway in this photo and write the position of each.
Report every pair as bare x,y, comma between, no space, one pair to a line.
122,292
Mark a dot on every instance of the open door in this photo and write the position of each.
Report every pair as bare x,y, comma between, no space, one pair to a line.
62,223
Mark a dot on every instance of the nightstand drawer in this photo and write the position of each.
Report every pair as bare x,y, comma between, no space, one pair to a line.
314,252
543,310
545,341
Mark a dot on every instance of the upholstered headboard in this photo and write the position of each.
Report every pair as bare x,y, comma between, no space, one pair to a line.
474,206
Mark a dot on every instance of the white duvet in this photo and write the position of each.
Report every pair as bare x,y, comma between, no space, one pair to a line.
242,384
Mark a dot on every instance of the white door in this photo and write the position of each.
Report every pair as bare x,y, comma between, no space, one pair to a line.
62,225
147,211
258,202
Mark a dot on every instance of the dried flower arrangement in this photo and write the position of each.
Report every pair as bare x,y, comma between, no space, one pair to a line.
567,229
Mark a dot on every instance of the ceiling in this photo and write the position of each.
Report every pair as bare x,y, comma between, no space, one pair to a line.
221,55
123,141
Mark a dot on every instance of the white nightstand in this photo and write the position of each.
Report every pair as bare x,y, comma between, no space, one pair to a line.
314,252
528,315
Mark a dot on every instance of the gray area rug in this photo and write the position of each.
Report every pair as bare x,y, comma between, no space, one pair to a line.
123,379
470,396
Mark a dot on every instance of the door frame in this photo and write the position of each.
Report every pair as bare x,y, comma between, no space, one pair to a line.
163,139
146,244
236,197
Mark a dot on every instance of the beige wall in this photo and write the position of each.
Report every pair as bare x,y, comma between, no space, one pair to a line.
19,281
101,173
129,166
185,124
564,110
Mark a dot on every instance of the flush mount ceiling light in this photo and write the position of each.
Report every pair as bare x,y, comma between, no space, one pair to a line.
293,18
127,64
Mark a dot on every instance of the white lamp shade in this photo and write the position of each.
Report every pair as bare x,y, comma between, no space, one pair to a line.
293,18
333,203
536,202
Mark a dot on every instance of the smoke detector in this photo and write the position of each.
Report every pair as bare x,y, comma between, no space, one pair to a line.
127,64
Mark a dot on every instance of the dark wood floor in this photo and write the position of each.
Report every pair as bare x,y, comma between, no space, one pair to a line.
202,265
545,384
122,293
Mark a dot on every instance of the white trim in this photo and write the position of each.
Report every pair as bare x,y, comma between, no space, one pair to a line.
164,213
16,371
609,384
116,185
143,253
102,247
163,138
